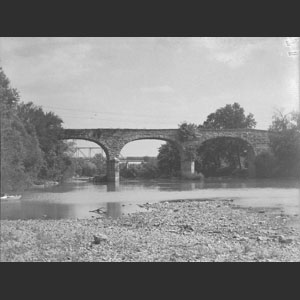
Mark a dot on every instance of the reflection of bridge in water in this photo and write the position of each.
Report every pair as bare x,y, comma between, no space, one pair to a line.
112,142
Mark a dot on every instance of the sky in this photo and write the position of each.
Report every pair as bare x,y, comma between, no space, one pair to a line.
152,82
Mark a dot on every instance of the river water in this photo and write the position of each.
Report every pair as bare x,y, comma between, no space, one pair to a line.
78,199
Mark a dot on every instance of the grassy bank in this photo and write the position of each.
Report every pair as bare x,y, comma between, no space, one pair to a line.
174,231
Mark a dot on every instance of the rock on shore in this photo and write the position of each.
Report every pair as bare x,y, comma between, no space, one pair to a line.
171,231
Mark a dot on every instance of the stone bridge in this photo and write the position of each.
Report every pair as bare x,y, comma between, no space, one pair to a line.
113,140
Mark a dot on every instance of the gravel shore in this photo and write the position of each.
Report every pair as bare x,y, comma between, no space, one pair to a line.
187,230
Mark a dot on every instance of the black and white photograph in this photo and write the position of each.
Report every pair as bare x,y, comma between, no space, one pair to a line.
150,149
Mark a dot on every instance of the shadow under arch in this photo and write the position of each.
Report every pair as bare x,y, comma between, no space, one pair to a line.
236,152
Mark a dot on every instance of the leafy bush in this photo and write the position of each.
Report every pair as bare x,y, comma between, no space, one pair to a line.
286,143
144,170
187,131
168,160
266,165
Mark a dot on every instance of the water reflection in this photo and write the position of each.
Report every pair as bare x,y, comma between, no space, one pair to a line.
78,199
114,209
113,186
36,210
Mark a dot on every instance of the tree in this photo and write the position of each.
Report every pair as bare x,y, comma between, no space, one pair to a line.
229,117
143,170
9,97
20,153
187,131
168,159
100,161
266,165
231,152
286,144
30,144
47,127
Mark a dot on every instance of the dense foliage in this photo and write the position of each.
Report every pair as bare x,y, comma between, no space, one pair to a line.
286,144
187,131
144,170
221,156
266,165
89,167
284,158
47,126
231,116
30,147
168,160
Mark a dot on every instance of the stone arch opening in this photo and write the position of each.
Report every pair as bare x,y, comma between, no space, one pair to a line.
156,138
225,156
139,157
89,158
89,140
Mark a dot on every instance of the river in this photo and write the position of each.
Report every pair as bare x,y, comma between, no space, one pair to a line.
78,199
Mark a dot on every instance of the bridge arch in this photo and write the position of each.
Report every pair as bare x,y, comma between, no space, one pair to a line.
99,168
164,139
140,148
89,140
244,149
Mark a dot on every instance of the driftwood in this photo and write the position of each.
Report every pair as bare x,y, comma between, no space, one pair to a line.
98,211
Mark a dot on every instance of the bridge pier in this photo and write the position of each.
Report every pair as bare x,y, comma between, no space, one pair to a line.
113,170
251,163
187,168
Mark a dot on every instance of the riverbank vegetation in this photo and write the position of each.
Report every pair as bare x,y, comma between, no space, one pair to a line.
84,167
31,151
284,158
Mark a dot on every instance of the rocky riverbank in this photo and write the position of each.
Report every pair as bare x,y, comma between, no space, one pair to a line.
170,231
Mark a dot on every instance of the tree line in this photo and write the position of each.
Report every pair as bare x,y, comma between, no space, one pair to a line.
30,148
284,158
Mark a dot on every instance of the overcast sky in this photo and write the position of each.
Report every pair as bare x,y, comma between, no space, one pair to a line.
151,82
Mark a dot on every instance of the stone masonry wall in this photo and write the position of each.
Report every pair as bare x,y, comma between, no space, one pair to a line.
113,140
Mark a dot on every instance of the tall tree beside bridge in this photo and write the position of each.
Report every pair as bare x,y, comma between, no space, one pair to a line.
20,153
168,160
286,146
47,127
30,149
230,152
231,116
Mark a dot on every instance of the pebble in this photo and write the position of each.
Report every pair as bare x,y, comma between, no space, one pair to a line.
284,240
100,238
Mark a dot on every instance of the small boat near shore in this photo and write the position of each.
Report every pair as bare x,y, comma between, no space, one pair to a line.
10,197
